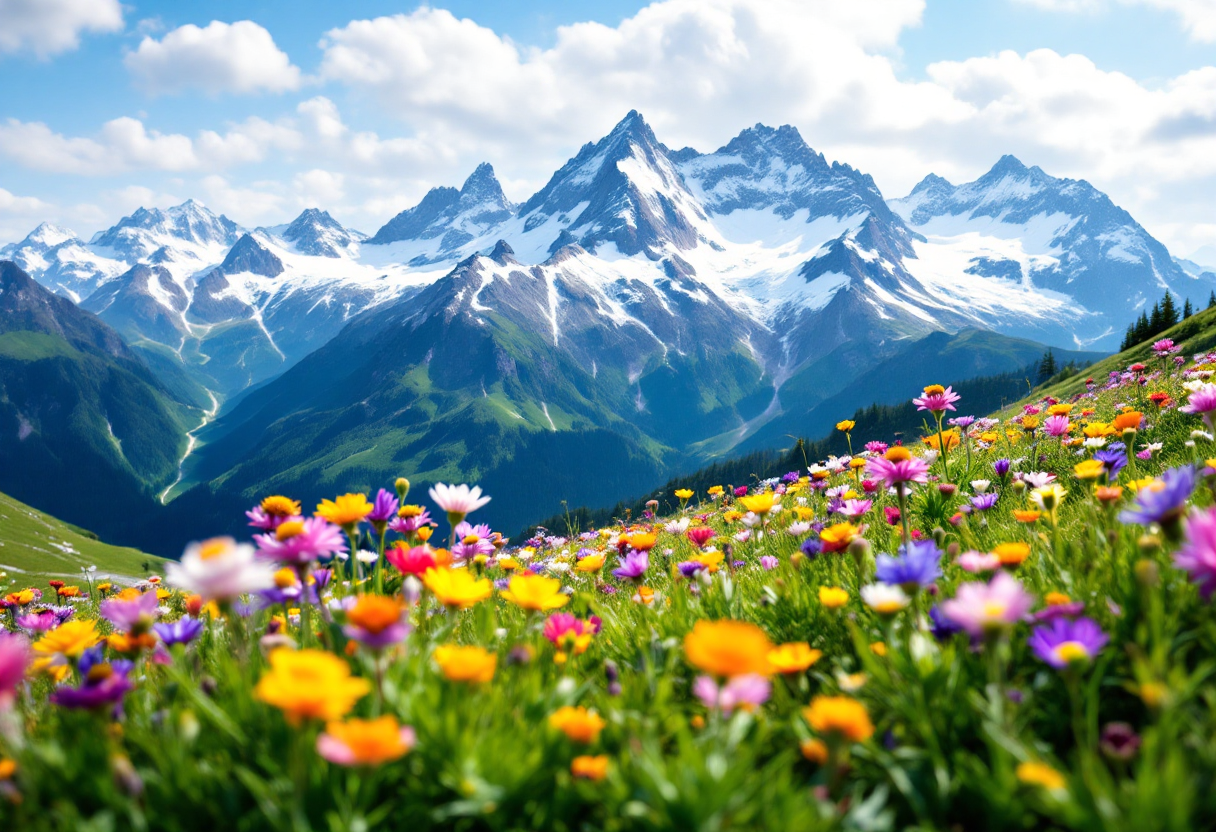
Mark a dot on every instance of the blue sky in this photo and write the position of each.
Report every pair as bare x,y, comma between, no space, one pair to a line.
260,109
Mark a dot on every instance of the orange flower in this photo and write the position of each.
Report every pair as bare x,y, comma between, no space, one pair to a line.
1011,554
375,613
642,541
837,537
728,648
815,750
594,768
1109,493
1026,515
840,716
591,563
794,657
951,438
579,724
1127,420
365,742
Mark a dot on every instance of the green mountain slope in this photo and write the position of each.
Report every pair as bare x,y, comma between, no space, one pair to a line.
35,547
86,430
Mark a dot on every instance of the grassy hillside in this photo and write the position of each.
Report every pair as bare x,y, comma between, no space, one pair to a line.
35,547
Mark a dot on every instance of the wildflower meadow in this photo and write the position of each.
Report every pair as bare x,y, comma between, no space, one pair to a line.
1006,624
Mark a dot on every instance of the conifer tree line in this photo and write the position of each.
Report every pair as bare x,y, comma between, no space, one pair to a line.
1163,316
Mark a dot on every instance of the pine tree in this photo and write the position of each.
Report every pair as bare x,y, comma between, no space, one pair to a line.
1154,322
1187,309
1047,366
1169,312
1212,299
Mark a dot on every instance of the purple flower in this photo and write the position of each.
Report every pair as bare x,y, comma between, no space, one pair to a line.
104,684
1164,502
1197,557
963,422
1119,741
182,631
1202,401
942,626
769,563
1057,425
1050,613
384,509
1065,642
688,568
409,525
1001,466
985,501
748,692
38,622
1113,459
302,542
918,565
982,609
633,566
913,469
129,615
812,546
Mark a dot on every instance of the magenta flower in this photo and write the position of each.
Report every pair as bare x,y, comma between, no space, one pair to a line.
409,525
128,615
38,622
14,657
302,542
855,508
563,629
472,541
913,469
982,609
633,565
384,509
1197,557
259,519
937,402
748,692
1163,347
1202,401
1065,642
768,563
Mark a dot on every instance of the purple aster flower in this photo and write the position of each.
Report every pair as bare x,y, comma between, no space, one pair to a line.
1113,459
384,509
942,626
985,501
633,566
182,631
129,615
1203,402
104,684
1001,466
1197,557
937,402
812,546
688,568
963,422
918,565
1162,502
38,622
1064,642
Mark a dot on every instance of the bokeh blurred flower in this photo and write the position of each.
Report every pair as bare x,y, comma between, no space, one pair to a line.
983,609
365,742
536,593
220,570
310,684
839,717
793,657
1066,642
577,723
457,588
728,648
465,664
746,692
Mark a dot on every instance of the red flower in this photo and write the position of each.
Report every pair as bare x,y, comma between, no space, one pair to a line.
411,561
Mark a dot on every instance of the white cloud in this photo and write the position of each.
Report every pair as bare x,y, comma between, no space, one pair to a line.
48,27
126,144
239,57
1198,17
10,203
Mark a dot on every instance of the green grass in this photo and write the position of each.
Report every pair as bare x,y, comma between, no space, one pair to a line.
35,547
23,345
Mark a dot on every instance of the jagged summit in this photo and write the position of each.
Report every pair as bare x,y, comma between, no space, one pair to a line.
456,216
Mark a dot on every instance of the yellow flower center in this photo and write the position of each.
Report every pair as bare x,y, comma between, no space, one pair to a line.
290,529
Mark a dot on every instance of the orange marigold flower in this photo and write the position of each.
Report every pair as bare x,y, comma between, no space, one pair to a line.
794,657
586,767
579,724
365,742
837,537
466,664
1026,515
1127,420
1011,554
728,648
841,716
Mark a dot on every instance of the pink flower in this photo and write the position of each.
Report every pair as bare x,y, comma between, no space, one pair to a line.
303,541
937,402
562,628
748,692
413,561
855,508
892,515
1197,557
913,469
700,535
981,608
14,657
1202,401
1056,425
457,500
976,562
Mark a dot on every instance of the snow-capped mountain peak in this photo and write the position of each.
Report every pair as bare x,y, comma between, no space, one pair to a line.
454,216
316,233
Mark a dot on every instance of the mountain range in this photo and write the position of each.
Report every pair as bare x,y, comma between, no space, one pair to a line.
647,308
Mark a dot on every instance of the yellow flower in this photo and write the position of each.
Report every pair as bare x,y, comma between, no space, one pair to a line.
833,597
1143,482
1096,430
346,511
712,560
728,648
759,503
579,724
535,592
878,648
642,541
310,684
591,563
277,506
950,436
1062,409
715,490
839,715
457,588
1011,554
1041,774
804,512
21,598
594,768
508,563
466,664
989,436
729,517
837,537
934,390
68,639
1090,469
845,425
794,657
1049,497
365,742
684,494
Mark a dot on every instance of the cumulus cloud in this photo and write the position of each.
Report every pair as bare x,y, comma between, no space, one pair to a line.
236,57
48,27
1198,17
